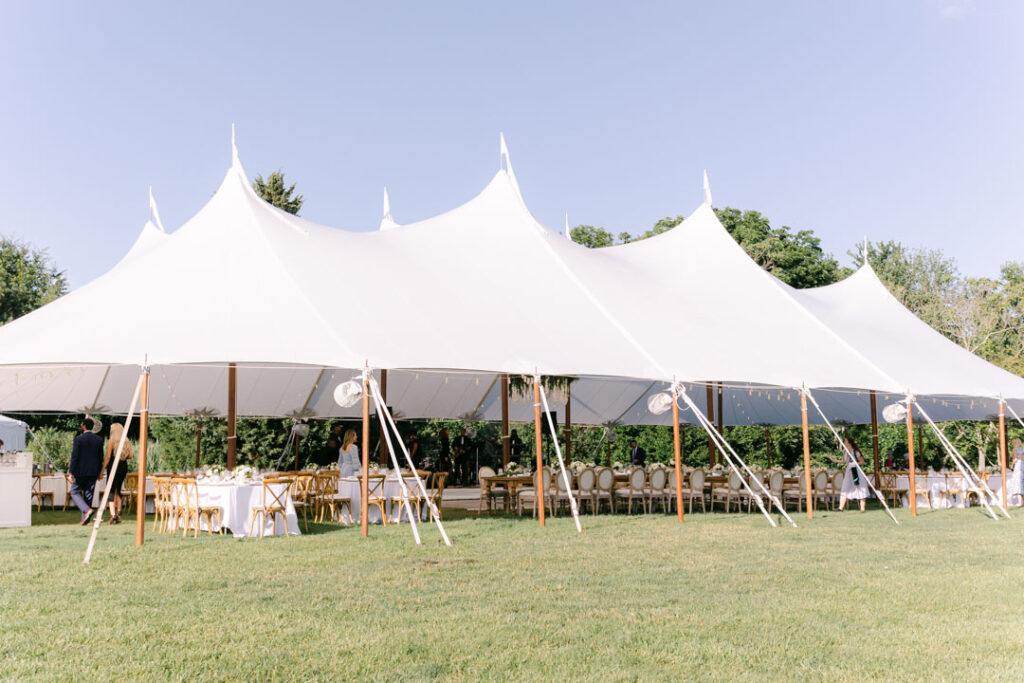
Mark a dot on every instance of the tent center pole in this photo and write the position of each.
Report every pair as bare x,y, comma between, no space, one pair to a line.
678,454
140,501
807,455
539,443
364,507
910,455
1002,447
874,438
232,394
506,446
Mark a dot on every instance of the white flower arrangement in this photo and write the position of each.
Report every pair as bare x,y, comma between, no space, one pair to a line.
332,466
243,472
576,467
717,469
513,468
618,465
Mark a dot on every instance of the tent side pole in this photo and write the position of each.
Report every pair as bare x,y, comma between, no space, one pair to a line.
711,419
720,411
199,439
232,436
568,423
807,455
540,451
382,441
506,446
768,444
364,488
910,455
678,454
874,438
140,493
1002,447
297,439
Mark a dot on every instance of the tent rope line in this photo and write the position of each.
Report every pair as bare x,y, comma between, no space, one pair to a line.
980,487
849,456
726,449
419,482
558,452
117,460
406,503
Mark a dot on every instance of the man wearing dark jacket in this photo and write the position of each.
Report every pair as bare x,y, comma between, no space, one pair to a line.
637,455
86,461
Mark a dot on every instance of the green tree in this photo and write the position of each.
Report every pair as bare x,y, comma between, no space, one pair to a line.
27,279
274,191
796,258
591,237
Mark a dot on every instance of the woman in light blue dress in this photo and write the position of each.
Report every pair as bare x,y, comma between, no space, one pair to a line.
348,457
1015,480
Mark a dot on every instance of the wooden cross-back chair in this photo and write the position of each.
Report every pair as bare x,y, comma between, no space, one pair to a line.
189,511
274,499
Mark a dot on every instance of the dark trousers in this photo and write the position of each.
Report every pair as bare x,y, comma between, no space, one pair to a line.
81,493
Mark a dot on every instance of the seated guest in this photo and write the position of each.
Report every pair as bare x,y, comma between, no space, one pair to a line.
348,460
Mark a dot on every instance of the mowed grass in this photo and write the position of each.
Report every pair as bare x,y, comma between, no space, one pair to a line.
847,596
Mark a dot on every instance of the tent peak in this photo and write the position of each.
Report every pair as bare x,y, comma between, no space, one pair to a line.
386,221
154,214
707,189
236,164
504,157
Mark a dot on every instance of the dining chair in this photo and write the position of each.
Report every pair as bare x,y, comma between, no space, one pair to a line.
38,494
436,490
657,489
603,490
586,487
163,504
820,489
693,487
836,488
375,494
489,494
776,482
529,494
798,493
273,503
410,500
635,489
303,495
725,494
190,510
756,482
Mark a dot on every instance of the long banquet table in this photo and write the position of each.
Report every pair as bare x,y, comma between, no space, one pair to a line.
952,484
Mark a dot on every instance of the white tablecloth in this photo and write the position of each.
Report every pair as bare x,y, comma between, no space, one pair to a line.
348,487
938,482
236,502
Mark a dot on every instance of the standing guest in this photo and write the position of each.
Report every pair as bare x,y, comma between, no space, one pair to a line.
444,453
86,465
515,447
637,455
412,444
1015,482
116,430
460,451
855,484
348,460
890,460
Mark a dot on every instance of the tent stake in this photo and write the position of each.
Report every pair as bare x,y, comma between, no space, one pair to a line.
807,455
540,450
364,489
678,454
140,491
910,456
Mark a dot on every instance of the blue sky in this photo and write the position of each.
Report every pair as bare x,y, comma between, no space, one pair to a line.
892,119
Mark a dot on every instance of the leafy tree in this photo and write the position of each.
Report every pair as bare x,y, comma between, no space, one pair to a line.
796,258
274,191
27,279
591,237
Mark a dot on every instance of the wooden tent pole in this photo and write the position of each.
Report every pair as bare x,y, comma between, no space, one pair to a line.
364,488
232,436
1002,447
910,455
807,455
678,454
297,439
768,444
568,424
711,419
920,443
506,445
874,438
540,451
140,501
199,440
382,441
720,411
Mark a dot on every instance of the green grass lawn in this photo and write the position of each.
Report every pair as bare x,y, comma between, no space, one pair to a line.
848,596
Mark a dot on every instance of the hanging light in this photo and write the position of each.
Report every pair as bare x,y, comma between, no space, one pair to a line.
347,394
300,429
97,425
609,435
659,403
896,412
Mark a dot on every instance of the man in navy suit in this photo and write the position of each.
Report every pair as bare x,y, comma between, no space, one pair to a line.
637,455
86,461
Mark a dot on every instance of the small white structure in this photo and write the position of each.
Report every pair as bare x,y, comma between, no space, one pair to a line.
13,433
15,489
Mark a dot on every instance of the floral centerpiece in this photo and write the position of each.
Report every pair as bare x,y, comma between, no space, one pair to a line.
717,469
243,473
618,465
332,466
513,468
